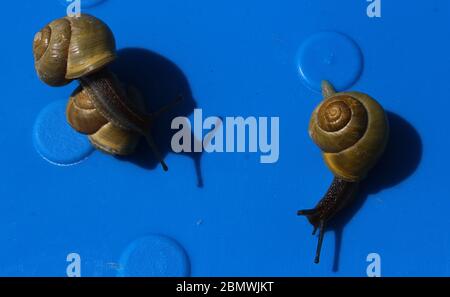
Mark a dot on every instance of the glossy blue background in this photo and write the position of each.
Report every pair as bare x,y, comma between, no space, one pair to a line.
234,58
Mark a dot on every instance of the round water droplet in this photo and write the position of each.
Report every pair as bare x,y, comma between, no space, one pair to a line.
329,56
154,255
55,140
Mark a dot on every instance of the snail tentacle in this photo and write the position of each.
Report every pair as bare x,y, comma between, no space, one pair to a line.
81,48
339,194
166,108
156,151
320,241
351,129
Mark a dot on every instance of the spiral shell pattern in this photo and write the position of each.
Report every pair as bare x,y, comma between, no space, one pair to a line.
338,123
83,116
352,130
71,47
51,49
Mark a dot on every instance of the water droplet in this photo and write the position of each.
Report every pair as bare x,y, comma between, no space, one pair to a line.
329,56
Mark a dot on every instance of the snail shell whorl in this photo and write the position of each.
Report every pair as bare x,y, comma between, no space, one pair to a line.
103,134
71,47
352,130
51,48
114,140
337,123
82,114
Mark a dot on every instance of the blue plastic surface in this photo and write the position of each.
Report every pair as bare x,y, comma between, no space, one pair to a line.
226,214
154,256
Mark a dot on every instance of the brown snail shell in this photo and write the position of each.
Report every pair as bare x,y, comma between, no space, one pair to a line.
71,47
103,134
82,114
351,129
114,140
80,48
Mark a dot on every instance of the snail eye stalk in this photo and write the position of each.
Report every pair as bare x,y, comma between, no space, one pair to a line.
352,130
81,48
319,243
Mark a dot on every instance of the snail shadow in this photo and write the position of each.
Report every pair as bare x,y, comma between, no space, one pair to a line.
399,161
159,82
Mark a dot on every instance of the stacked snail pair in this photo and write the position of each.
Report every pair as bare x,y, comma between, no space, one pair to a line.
351,128
82,48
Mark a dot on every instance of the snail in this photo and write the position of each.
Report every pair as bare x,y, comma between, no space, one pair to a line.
82,47
352,130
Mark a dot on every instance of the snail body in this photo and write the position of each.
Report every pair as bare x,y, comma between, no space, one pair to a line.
83,115
352,130
81,48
